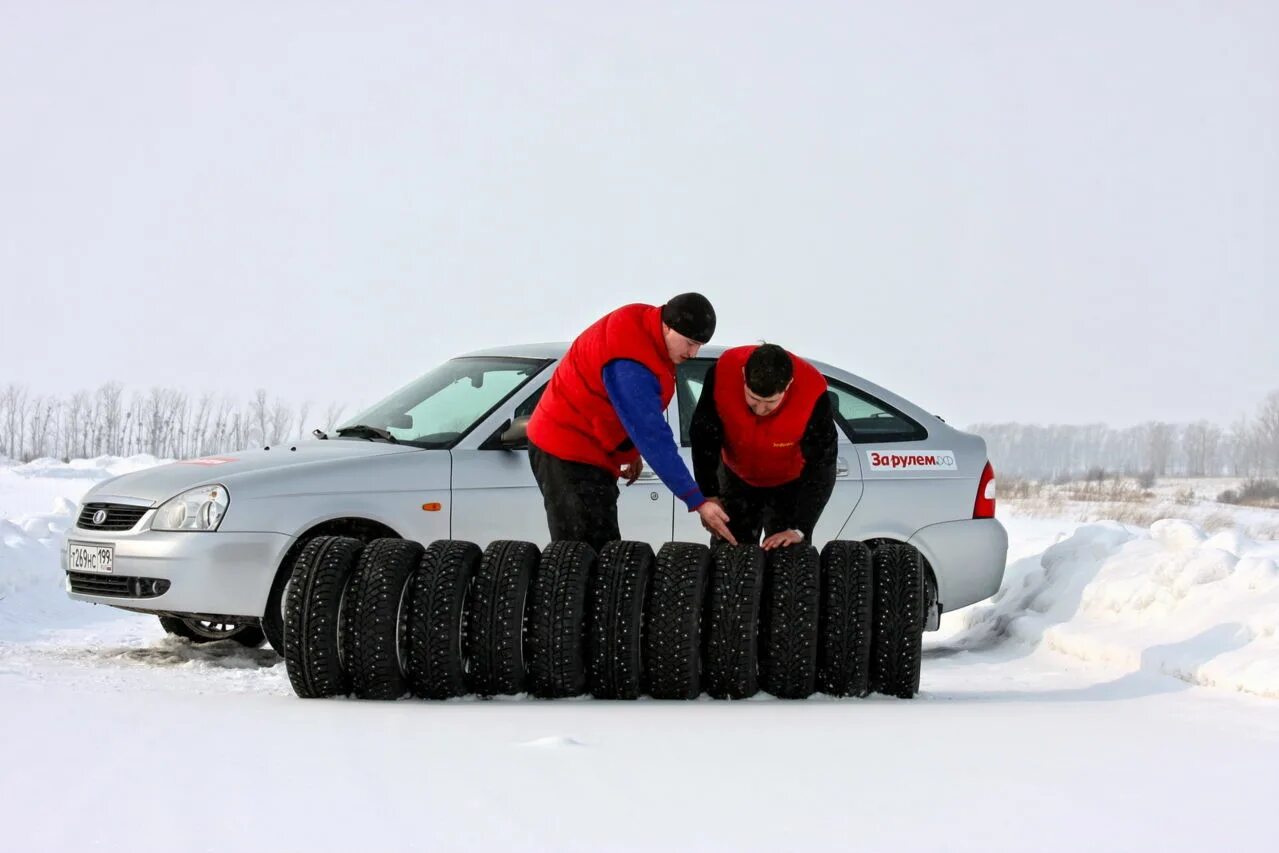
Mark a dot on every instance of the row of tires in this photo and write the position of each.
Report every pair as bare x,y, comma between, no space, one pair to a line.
389,618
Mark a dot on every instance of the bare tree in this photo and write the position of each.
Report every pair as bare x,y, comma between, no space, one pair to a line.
303,414
221,439
40,418
1267,430
4,418
109,404
1159,439
281,421
73,424
15,414
156,421
1200,441
200,444
259,417
237,431
332,415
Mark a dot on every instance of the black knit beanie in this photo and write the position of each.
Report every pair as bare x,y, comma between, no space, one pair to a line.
691,315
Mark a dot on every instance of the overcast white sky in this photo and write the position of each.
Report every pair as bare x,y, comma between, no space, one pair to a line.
1003,211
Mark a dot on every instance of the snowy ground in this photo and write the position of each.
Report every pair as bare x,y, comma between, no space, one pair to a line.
1190,498
1121,692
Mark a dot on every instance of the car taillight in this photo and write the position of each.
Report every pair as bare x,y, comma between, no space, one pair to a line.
985,506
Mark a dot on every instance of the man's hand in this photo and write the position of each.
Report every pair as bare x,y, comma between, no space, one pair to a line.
782,539
715,520
632,470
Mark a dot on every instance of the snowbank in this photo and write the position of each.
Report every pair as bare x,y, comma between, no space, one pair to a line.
1171,599
99,468
31,579
32,595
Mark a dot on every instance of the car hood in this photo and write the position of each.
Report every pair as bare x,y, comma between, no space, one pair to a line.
162,482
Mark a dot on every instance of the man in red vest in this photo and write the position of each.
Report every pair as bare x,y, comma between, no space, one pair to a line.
604,408
764,443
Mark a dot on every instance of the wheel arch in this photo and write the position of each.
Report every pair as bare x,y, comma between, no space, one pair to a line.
932,592
357,527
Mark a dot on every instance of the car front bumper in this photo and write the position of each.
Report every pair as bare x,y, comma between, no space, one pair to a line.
220,573
967,557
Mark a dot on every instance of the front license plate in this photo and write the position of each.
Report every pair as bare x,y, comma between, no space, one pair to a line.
90,558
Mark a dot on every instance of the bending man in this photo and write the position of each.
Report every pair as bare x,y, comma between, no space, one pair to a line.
764,443
604,408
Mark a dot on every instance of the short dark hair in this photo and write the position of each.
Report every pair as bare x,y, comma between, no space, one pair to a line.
768,370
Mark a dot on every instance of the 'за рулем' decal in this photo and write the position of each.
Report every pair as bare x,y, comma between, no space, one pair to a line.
922,460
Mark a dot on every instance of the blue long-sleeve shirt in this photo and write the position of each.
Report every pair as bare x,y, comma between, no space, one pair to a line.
637,399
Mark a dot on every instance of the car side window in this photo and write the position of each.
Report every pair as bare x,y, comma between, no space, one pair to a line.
689,378
866,420
525,409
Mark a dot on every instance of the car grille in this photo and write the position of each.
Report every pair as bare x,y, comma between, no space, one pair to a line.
119,516
117,586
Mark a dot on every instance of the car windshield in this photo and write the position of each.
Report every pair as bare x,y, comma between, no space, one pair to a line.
439,408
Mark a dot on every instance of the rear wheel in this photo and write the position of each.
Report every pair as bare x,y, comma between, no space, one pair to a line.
381,614
898,635
674,630
732,606
313,614
213,630
495,623
848,581
614,644
557,620
436,661
788,630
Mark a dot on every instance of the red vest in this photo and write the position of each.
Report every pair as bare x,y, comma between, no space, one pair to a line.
764,451
575,420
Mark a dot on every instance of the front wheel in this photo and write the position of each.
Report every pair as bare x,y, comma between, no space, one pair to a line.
213,630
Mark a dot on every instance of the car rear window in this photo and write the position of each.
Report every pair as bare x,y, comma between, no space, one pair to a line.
866,420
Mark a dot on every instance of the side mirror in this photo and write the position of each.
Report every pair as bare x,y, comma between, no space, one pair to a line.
512,435
515,436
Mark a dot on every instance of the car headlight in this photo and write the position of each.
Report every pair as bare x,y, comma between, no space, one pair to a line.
197,509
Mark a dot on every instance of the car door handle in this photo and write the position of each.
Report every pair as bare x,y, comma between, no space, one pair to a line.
841,467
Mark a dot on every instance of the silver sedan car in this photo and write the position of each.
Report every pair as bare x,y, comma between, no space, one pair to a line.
207,544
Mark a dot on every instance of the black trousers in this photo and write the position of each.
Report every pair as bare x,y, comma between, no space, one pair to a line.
753,510
580,499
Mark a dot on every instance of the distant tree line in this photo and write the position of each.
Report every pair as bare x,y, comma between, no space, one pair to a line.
163,422
1248,448
172,424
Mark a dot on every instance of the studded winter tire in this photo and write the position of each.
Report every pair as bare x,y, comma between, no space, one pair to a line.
898,633
673,636
732,614
848,581
556,632
436,662
496,617
313,655
614,638
788,627
381,618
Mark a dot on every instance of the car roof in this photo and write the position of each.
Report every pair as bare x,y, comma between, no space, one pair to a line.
556,349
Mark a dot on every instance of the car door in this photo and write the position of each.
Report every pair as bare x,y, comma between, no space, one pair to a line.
496,497
848,473
912,475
